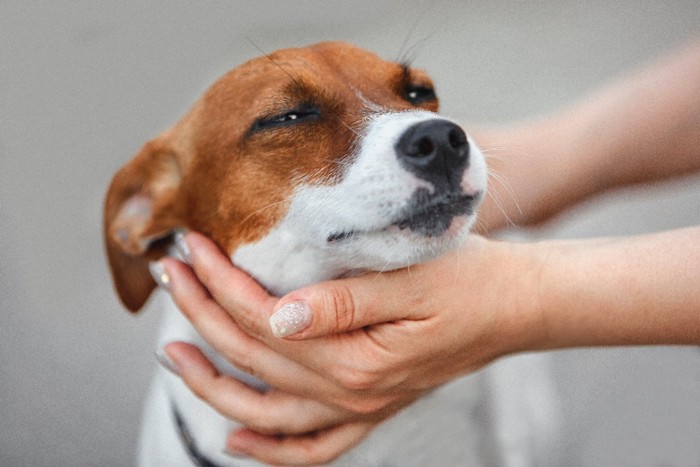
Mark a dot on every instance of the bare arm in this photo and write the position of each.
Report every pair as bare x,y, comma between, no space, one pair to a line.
626,291
641,128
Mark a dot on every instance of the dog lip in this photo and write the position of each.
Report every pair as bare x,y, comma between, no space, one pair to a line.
432,216
429,217
340,236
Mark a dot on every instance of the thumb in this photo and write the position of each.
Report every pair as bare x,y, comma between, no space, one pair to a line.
339,306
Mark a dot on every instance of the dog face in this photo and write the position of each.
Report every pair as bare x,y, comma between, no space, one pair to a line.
323,160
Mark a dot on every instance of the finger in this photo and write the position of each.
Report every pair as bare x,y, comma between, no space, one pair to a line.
250,355
237,293
344,305
315,448
209,319
271,412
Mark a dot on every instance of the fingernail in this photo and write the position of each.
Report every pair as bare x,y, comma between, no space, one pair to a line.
166,362
183,249
290,319
159,275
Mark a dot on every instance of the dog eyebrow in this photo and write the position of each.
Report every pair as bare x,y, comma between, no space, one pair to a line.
277,63
410,76
406,75
297,95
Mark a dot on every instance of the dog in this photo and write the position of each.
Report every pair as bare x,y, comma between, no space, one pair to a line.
303,165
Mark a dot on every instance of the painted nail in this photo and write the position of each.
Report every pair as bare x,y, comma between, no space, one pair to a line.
290,319
159,275
166,362
183,249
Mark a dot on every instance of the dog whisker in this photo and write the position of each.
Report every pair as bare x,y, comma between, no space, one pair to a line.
277,64
407,53
499,204
494,175
258,211
349,127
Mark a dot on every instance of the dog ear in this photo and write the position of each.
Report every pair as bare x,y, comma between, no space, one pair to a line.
140,215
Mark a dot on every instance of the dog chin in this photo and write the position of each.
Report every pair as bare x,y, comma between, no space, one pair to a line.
395,247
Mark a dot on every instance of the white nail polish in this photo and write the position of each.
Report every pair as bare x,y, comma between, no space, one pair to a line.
290,319
159,275
182,247
166,362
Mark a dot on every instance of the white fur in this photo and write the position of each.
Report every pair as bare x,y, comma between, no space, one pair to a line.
441,429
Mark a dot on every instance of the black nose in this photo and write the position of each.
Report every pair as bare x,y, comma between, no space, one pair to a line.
435,150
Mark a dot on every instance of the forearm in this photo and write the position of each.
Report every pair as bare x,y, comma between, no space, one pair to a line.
641,128
645,127
627,291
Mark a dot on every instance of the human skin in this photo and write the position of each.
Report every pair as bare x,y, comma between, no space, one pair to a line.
363,355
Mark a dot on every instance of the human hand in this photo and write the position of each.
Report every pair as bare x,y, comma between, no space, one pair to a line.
366,351
281,427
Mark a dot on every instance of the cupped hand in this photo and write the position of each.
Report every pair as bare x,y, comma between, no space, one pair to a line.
369,345
285,424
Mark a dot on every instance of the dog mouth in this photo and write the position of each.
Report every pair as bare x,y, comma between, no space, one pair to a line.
427,215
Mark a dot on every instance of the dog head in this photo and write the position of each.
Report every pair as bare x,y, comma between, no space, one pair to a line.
325,160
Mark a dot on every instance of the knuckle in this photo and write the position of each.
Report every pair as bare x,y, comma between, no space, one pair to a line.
241,359
365,406
356,380
248,321
343,309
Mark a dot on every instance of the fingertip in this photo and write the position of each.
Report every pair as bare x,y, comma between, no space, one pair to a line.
182,247
196,242
160,275
166,361
186,359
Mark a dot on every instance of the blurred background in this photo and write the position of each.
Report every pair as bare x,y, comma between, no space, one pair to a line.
83,84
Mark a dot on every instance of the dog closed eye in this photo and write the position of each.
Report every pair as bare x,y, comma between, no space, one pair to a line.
301,114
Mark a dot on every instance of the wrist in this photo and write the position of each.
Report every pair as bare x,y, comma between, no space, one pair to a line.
521,324
566,276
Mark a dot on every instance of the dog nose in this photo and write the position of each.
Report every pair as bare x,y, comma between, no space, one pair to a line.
435,150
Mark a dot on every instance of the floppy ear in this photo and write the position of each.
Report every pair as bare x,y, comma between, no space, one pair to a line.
140,214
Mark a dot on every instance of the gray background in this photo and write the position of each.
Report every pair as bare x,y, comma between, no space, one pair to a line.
83,84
